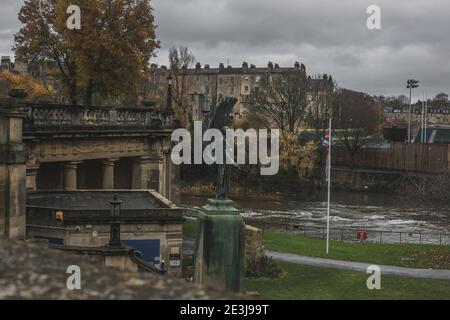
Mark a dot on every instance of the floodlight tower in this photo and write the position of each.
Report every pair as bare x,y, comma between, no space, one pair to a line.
411,84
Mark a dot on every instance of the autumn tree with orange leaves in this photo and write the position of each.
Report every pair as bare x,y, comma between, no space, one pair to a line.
37,92
109,54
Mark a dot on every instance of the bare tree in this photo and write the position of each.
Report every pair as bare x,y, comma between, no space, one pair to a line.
282,99
358,120
181,60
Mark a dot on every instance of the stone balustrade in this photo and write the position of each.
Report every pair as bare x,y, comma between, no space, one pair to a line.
48,116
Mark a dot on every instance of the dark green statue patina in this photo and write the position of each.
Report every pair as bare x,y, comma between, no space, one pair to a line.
219,254
219,119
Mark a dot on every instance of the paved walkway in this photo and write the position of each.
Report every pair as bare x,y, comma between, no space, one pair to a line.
359,266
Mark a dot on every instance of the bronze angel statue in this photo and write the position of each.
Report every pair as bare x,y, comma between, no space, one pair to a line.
219,119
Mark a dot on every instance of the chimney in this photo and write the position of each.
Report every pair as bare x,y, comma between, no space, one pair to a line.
270,65
206,66
277,66
198,66
221,66
302,67
297,65
244,65
252,66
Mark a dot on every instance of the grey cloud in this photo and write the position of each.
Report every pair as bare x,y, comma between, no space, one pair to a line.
329,36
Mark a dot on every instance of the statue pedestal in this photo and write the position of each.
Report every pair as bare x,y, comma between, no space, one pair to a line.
219,249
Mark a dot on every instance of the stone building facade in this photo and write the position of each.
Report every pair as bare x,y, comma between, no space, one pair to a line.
205,85
45,148
81,219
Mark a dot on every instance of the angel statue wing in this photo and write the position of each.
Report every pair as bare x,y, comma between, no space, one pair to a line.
220,113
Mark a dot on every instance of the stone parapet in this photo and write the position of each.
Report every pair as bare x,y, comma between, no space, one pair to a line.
44,277
254,249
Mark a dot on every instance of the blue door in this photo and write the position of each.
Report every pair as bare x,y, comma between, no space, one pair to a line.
150,249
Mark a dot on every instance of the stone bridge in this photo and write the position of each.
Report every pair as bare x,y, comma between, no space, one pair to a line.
61,147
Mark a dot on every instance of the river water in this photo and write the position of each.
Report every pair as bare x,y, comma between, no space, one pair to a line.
350,210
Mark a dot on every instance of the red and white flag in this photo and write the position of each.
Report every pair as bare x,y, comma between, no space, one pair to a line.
327,139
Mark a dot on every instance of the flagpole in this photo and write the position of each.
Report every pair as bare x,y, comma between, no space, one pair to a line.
329,188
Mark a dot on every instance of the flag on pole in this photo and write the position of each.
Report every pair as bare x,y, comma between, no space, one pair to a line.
326,139
327,144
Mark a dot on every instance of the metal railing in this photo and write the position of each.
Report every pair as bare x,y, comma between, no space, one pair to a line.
344,234
350,234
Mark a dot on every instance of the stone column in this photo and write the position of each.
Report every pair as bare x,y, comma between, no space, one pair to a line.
12,172
165,174
108,173
139,174
145,174
169,187
162,176
32,171
70,176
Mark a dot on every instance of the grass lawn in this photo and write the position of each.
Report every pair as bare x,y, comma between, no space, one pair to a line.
312,283
190,228
424,256
306,282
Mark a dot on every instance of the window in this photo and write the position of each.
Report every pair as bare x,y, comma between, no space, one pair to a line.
245,98
206,89
246,88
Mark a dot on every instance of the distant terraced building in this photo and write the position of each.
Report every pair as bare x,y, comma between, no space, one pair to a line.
203,86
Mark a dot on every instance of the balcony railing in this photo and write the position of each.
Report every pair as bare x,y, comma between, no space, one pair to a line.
49,116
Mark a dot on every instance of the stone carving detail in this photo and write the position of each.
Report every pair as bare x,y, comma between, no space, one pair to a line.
41,116
130,118
53,151
94,117
49,116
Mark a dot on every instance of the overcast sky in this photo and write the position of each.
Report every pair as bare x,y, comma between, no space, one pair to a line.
328,36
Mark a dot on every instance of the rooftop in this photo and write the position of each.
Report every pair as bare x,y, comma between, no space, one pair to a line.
95,200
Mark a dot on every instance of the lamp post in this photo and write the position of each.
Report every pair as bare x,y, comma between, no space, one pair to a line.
411,84
114,236
168,112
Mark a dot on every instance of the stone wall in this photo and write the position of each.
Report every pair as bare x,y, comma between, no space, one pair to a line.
31,271
254,249
12,173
